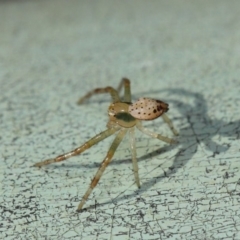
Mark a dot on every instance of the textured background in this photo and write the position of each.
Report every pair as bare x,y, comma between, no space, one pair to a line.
186,53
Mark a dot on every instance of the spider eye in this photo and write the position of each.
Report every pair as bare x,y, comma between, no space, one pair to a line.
147,108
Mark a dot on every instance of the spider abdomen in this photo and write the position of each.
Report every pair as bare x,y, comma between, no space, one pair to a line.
147,108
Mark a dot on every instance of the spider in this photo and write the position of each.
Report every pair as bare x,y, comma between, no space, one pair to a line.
124,116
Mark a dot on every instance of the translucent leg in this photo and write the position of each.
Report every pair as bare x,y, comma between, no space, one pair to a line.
134,156
103,166
80,149
154,135
112,91
169,123
127,89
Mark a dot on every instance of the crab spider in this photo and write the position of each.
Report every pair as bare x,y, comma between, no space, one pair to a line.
124,116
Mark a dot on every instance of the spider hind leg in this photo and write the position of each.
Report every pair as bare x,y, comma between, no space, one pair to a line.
134,156
169,123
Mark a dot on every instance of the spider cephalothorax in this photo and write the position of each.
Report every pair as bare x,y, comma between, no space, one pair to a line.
124,116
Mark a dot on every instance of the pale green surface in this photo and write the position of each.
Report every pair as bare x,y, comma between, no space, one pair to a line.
184,52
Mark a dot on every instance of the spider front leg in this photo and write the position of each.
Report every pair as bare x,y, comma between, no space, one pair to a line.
103,166
101,136
110,90
127,89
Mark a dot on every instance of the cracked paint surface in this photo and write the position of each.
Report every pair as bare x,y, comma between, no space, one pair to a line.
188,191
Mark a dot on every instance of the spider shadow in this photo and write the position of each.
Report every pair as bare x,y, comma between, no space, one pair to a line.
199,124
198,133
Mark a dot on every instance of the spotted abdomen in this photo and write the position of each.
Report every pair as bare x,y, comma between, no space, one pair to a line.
147,108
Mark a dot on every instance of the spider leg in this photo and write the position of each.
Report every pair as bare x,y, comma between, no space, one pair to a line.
127,89
112,91
103,166
134,156
154,135
169,123
99,137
